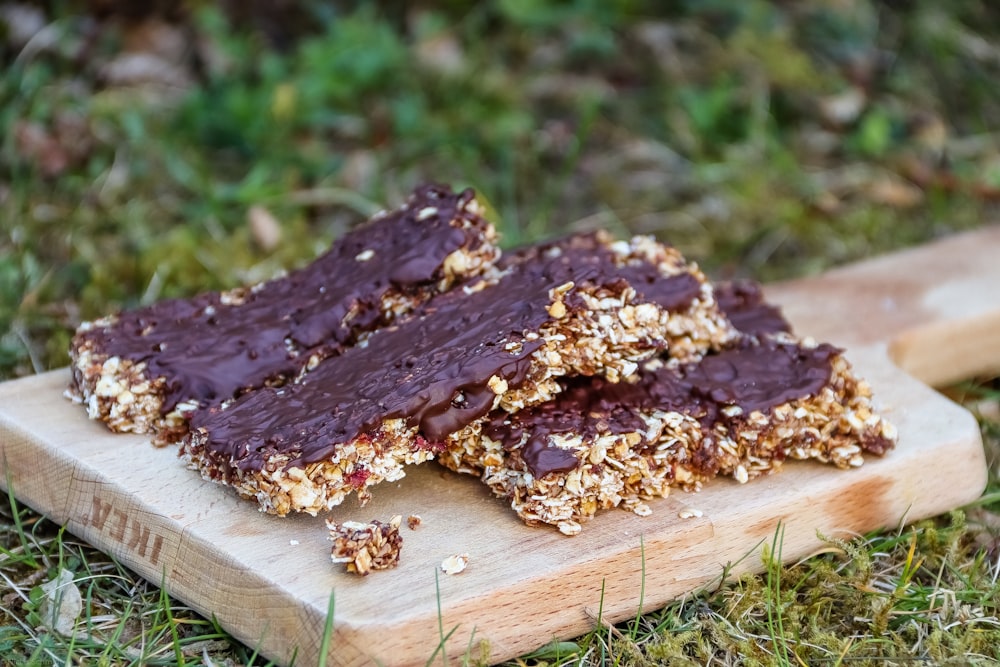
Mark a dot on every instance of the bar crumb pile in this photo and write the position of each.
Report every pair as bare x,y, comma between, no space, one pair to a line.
364,547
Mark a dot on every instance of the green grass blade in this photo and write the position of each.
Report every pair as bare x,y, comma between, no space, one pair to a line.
324,645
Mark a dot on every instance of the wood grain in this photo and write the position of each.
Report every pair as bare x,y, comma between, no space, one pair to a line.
934,311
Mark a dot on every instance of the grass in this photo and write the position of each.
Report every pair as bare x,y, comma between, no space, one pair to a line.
763,139
123,619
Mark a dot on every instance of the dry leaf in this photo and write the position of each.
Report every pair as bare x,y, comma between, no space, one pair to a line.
159,38
130,69
929,131
894,192
359,171
62,604
20,22
843,108
264,227
441,53
36,145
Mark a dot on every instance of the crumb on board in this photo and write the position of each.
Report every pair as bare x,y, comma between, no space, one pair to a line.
414,521
364,547
455,564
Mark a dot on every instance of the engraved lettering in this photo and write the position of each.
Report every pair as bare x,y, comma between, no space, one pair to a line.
139,538
157,545
118,531
99,513
121,526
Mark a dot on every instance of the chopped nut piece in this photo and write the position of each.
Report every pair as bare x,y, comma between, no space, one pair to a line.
690,513
569,284
364,547
498,385
557,309
414,521
454,564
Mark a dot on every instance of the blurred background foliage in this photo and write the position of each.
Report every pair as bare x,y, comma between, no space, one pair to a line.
151,150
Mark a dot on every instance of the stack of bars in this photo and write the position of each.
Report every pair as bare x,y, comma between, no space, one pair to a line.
572,376
740,410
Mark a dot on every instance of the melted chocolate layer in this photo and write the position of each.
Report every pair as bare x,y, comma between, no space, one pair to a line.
743,303
675,293
209,351
431,370
762,376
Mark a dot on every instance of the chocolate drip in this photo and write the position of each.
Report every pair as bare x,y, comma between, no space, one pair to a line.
542,458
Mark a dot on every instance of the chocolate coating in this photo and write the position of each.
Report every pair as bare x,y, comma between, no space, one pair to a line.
431,370
743,303
209,351
542,458
674,293
762,376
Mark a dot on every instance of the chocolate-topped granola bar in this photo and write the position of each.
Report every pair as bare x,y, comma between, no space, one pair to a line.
148,369
769,400
737,412
583,305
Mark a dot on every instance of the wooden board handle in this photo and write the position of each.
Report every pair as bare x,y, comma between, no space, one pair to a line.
936,307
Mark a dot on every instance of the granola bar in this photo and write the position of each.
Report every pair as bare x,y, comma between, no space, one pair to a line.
595,446
149,369
583,305
738,412
768,338
769,400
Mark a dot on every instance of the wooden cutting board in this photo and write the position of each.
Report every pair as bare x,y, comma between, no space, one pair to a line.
925,316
